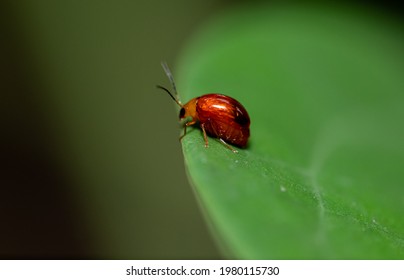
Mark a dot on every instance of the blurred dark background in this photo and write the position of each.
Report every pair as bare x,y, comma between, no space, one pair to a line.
91,166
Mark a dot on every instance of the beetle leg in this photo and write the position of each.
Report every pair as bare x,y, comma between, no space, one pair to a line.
204,135
227,145
221,141
185,128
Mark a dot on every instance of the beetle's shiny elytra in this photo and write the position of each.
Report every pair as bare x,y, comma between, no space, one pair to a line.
218,115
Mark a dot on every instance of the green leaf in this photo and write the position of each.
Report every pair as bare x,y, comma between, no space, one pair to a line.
322,176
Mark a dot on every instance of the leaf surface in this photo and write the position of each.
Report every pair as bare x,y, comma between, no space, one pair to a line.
322,176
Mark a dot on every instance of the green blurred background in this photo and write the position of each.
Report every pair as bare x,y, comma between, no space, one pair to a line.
91,165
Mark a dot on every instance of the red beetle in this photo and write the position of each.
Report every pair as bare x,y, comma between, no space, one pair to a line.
218,115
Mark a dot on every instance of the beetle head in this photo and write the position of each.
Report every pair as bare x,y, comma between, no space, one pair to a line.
189,110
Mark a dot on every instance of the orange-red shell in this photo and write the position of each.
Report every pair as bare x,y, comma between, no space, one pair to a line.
222,116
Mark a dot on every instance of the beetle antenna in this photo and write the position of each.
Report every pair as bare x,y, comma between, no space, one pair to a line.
170,77
172,96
